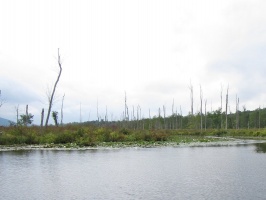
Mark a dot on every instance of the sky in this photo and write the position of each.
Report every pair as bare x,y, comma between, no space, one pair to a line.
152,50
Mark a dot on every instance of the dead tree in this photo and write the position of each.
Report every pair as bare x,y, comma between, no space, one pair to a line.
51,97
150,119
106,115
173,119
205,114
176,119
17,107
191,97
97,112
126,108
201,108
180,117
159,118
27,115
42,116
237,113
62,115
259,117
226,107
164,117
221,105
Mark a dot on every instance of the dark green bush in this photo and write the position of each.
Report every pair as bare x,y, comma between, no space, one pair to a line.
64,137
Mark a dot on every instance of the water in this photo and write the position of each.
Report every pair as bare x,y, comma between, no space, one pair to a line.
229,172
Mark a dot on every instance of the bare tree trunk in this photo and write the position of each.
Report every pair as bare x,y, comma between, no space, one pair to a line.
205,115
164,117
150,125
201,109
159,119
134,118
27,114
238,113
191,97
176,119
221,106
97,112
62,115
138,116
259,117
226,107
237,116
126,113
181,117
173,119
42,116
17,112
52,95
106,115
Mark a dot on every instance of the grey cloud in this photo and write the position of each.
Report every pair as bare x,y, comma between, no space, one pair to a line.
248,66
163,87
248,62
17,93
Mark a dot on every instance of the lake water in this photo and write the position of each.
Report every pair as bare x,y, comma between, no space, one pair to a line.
226,172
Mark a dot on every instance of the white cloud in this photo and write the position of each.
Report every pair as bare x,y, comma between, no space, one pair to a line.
151,49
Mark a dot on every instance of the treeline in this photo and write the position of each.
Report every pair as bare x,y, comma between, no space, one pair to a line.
245,119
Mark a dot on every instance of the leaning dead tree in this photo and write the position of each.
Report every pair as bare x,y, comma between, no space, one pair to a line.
51,97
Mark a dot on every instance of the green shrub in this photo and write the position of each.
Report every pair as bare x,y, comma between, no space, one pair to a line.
48,138
31,138
87,140
124,131
80,132
65,137
161,136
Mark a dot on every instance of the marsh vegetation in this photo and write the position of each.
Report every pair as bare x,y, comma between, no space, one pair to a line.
90,135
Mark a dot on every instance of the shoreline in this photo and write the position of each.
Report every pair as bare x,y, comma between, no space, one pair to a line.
122,145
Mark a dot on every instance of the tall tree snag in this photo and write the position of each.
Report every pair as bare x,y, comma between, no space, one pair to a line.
221,106
62,114
205,114
191,97
201,96
42,115
226,107
51,97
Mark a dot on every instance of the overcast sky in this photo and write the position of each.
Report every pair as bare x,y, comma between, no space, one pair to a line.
152,49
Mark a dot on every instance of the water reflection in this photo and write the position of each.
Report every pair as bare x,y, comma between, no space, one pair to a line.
21,153
261,147
226,172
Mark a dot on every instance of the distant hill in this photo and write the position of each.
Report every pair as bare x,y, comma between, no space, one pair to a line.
4,122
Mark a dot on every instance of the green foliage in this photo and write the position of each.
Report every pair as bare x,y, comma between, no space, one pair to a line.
26,119
64,137
55,117
92,135
47,138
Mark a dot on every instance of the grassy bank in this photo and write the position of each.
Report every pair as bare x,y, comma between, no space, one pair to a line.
107,136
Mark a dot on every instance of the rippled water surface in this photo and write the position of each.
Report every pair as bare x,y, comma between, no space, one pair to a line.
229,172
